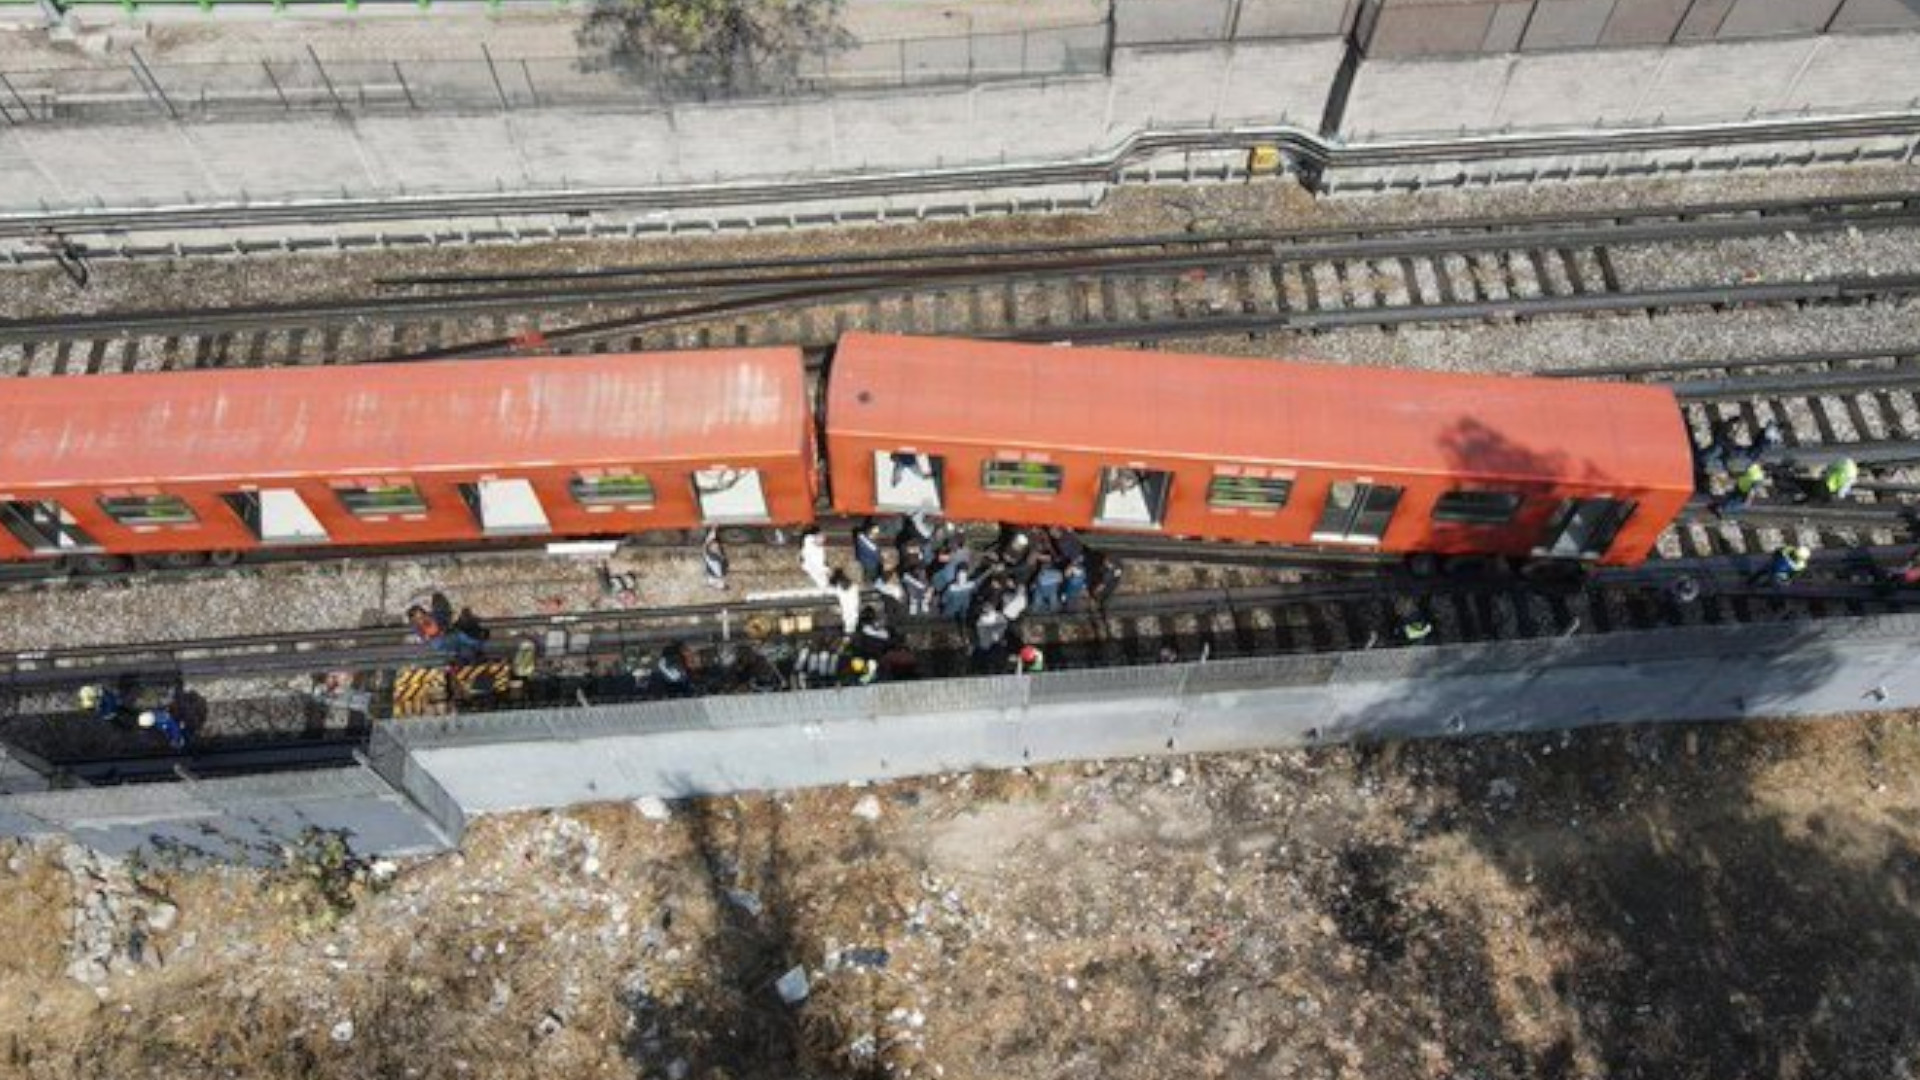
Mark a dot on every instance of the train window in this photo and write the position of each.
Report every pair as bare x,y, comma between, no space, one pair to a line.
904,482
1356,513
1477,507
506,507
730,496
625,489
1021,478
1133,498
276,516
148,509
1248,493
382,500
45,527
1585,528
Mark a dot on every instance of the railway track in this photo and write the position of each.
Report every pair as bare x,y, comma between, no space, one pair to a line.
592,657
1155,288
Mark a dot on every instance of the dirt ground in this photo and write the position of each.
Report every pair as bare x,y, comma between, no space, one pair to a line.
1708,901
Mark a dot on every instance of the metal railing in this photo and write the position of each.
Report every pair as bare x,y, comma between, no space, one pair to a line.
488,81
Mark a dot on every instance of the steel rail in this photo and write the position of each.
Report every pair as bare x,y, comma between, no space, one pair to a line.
1870,209
1834,290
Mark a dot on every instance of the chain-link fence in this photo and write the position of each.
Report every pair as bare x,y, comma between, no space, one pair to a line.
491,82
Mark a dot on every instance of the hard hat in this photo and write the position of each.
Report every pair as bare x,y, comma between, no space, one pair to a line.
147,719
1802,554
1755,472
89,696
1029,654
859,666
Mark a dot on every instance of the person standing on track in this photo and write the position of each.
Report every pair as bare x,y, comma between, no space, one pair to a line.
713,557
161,720
866,550
847,595
956,600
1785,564
1839,478
813,558
1749,485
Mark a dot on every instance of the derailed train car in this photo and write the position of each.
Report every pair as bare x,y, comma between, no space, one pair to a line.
189,465
180,467
1307,455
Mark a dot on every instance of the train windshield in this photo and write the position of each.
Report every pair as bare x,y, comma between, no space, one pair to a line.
1585,528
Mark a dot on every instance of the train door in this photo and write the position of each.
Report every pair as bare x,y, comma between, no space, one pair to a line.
904,482
1133,498
506,507
277,516
45,528
1585,528
731,496
1357,513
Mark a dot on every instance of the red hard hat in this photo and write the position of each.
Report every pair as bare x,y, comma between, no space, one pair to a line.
1028,654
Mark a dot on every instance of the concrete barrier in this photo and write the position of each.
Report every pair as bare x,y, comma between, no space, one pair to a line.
708,746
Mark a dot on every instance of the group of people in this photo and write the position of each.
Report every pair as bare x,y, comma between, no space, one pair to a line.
460,637
929,569
1745,461
119,706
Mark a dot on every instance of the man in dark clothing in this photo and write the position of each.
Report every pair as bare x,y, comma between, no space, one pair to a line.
1067,549
866,550
673,672
919,591
1104,573
713,558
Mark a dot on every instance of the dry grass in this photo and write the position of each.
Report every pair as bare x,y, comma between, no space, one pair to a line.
1709,901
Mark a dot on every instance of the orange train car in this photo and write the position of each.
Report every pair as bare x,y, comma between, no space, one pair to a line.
1328,457
180,464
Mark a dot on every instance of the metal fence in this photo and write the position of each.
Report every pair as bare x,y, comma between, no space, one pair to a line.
492,82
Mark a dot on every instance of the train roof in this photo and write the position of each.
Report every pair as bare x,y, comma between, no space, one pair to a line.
401,418
924,391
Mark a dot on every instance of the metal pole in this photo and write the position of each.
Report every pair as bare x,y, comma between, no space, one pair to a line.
141,68
404,88
327,80
24,107
495,72
268,68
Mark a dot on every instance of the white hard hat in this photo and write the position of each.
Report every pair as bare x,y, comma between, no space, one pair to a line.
147,719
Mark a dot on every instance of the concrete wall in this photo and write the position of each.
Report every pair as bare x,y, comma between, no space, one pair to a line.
427,775
319,155
1631,87
1406,28
1138,22
553,759
243,819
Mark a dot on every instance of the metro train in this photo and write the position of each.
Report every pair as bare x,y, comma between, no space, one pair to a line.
177,468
